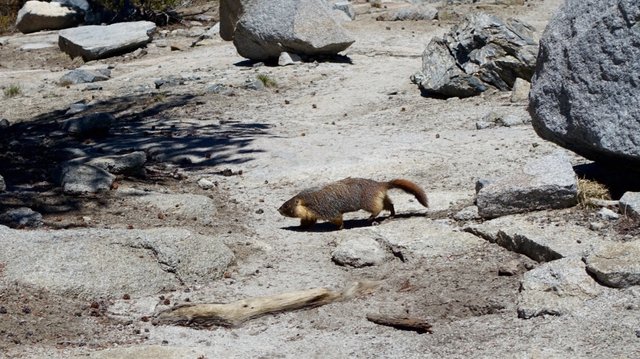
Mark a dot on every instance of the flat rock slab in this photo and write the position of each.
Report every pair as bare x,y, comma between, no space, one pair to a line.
39,15
144,352
98,42
423,238
96,263
617,264
556,288
540,242
546,183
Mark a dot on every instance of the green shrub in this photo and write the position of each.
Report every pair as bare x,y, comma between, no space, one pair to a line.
267,81
12,91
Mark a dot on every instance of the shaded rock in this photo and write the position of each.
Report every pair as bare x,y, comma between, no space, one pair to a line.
82,178
616,264
442,76
80,76
21,217
630,204
411,13
556,288
3,184
97,263
39,15
130,163
230,11
540,242
520,91
482,51
77,108
358,252
585,94
95,124
266,29
4,124
546,183
98,42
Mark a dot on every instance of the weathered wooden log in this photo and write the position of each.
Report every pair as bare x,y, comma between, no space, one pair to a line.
236,313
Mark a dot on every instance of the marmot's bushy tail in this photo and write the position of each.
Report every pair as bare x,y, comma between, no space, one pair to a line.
410,187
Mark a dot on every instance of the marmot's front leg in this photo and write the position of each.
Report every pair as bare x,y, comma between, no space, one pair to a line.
338,221
307,222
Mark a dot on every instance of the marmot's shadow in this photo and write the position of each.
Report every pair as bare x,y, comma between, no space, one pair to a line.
352,223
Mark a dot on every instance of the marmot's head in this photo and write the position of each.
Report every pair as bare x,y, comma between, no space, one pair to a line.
291,207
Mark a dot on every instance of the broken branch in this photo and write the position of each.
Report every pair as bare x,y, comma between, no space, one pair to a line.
402,323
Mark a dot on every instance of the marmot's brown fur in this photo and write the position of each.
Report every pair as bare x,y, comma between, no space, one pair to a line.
348,195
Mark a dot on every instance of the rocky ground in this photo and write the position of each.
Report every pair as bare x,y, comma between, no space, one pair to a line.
88,282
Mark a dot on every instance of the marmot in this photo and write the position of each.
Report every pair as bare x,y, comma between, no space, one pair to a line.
348,195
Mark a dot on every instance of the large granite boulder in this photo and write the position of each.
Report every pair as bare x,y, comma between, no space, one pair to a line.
39,15
585,93
482,51
98,42
261,30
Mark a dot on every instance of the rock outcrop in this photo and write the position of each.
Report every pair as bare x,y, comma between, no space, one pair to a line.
546,183
262,30
482,51
97,42
585,94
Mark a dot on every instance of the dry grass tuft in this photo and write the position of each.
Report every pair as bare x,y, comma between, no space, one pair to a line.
589,189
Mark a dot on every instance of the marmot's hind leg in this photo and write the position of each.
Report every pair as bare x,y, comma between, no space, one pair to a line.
388,205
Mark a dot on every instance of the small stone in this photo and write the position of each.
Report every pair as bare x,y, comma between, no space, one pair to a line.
4,123
288,59
359,252
467,214
606,213
630,204
3,184
205,183
509,268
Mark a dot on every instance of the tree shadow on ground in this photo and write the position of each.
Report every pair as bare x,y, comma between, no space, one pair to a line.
168,128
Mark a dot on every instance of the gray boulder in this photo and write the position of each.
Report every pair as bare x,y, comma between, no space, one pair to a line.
630,204
556,288
130,163
546,183
482,51
81,76
82,178
98,263
585,94
39,15
98,42
93,124
359,252
616,264
263,29
21,217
